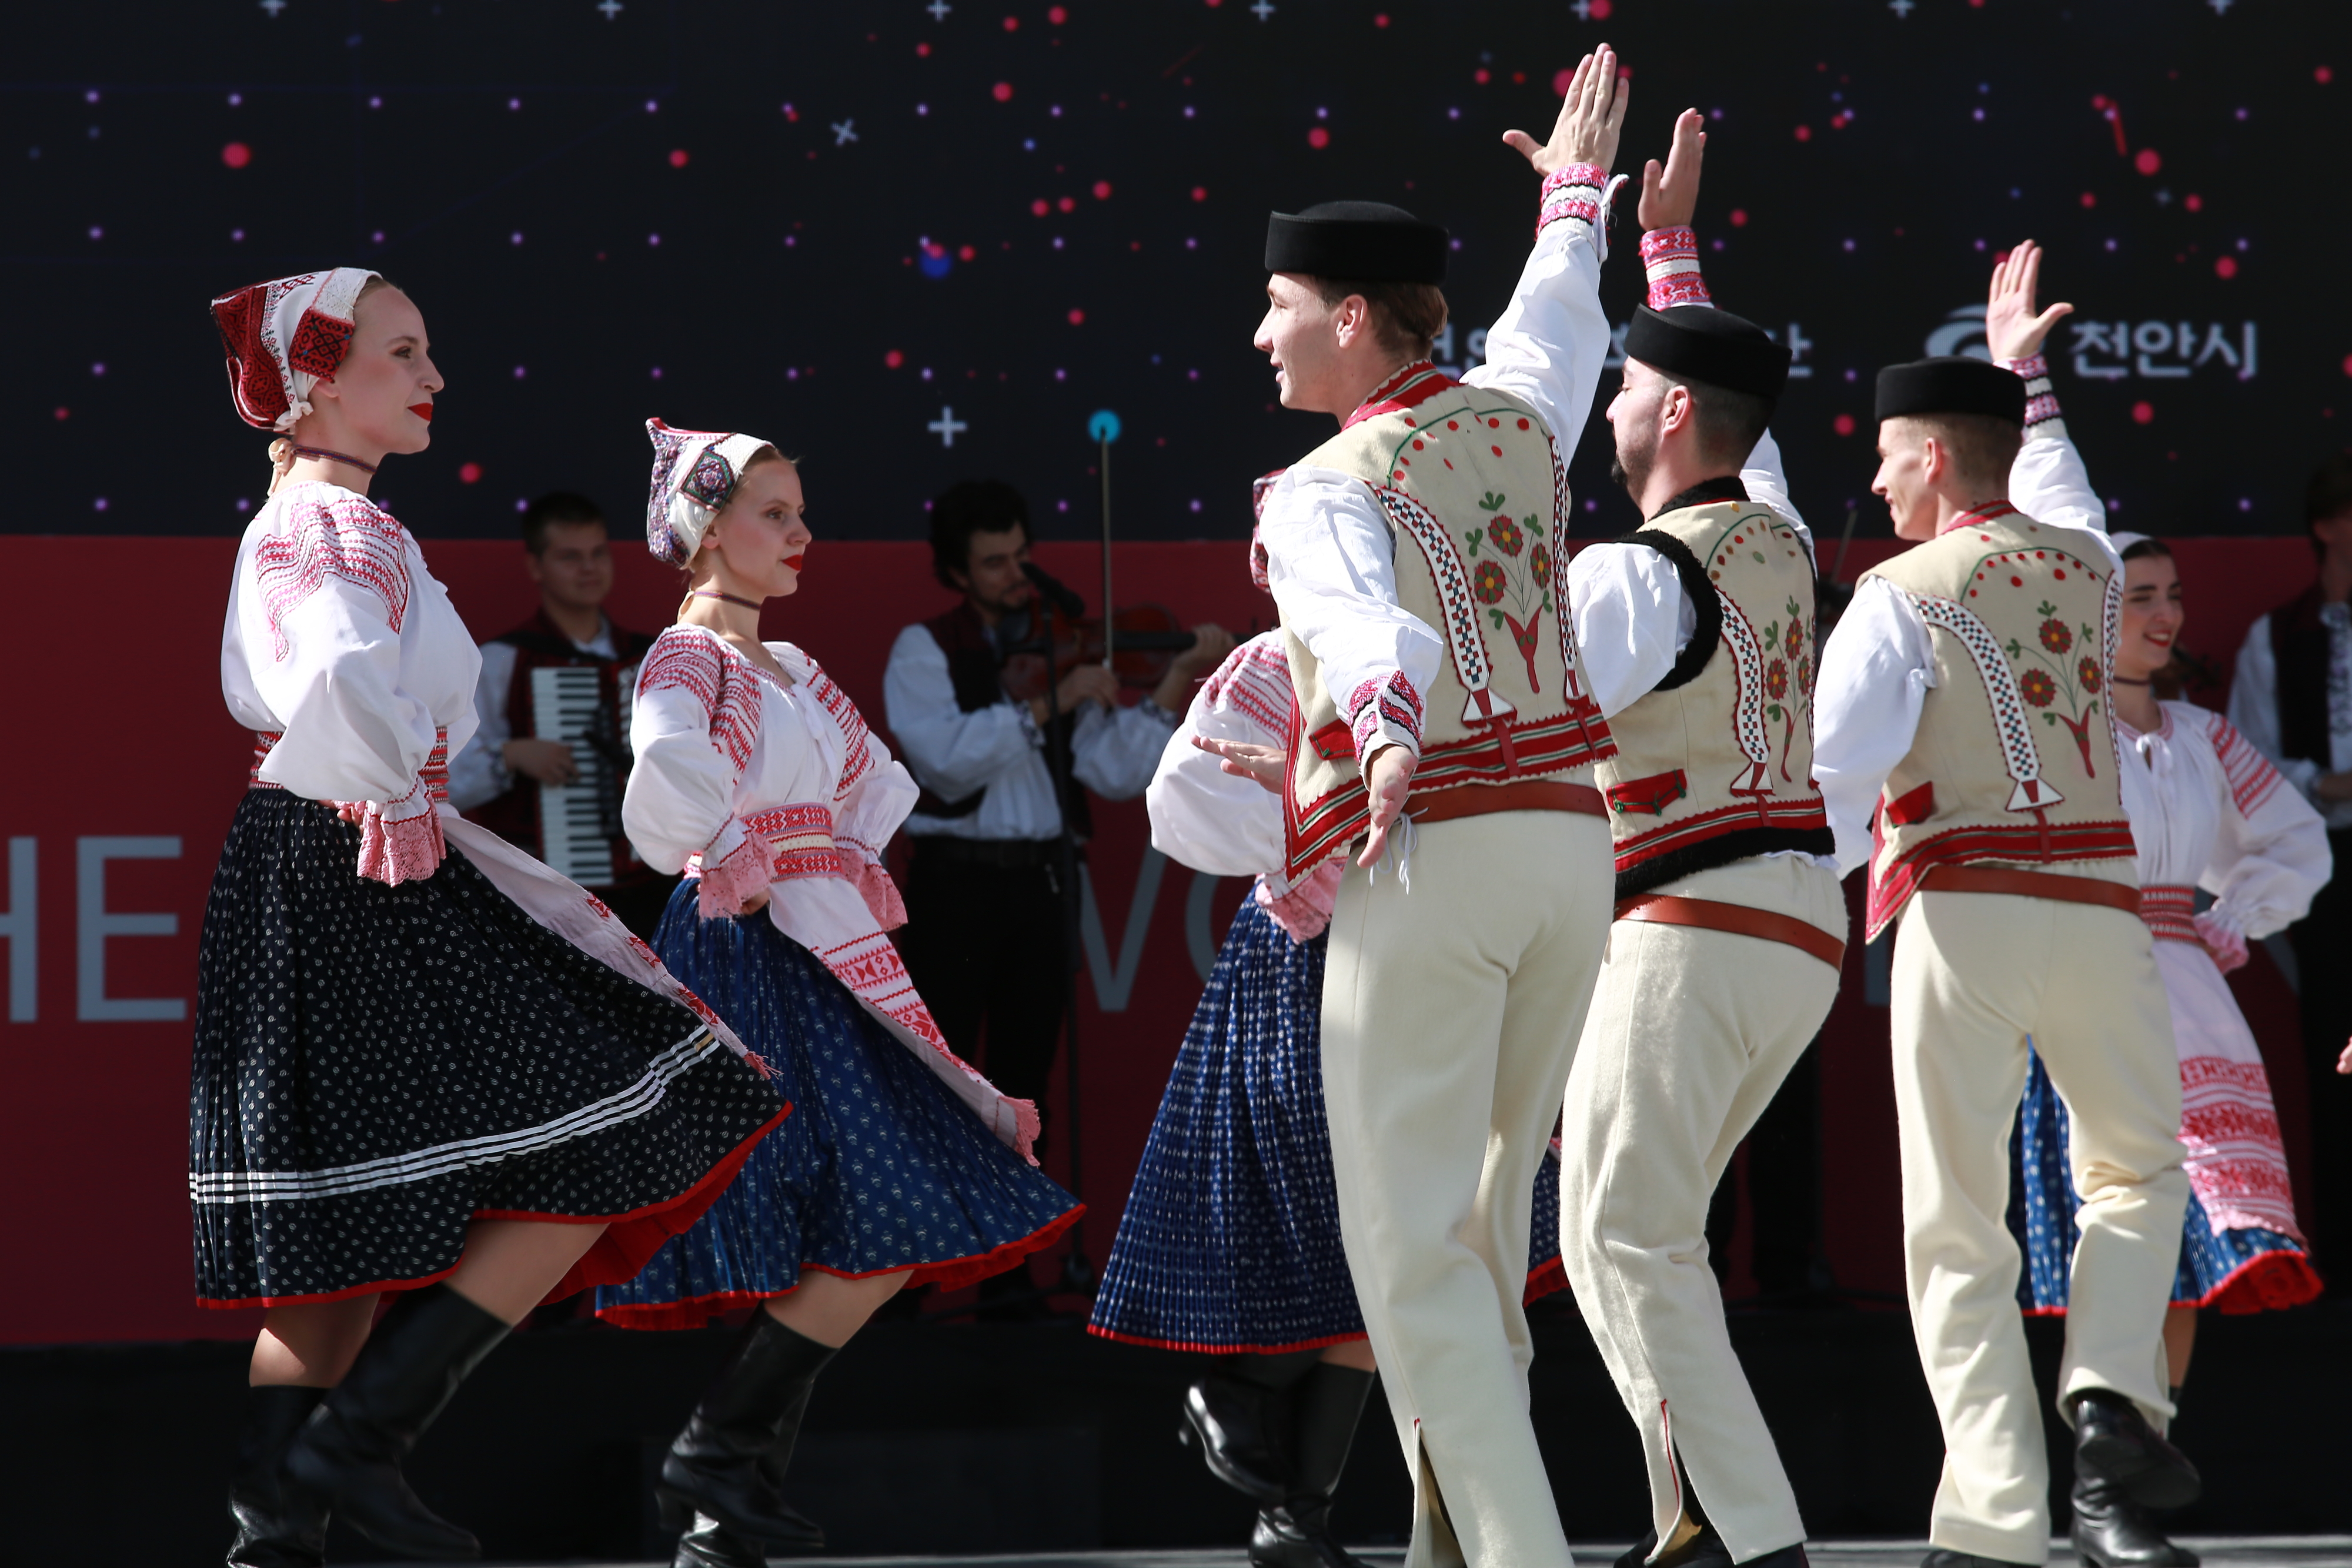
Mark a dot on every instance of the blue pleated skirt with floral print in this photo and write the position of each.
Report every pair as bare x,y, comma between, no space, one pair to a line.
878,1168
2246,1271
1231,1239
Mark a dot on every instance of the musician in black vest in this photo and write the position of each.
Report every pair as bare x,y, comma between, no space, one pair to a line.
495,780
985,936
2292,697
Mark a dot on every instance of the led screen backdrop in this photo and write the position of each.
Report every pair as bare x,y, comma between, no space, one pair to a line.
915,242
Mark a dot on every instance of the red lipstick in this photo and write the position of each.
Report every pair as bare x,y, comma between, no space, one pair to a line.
795,560
423,410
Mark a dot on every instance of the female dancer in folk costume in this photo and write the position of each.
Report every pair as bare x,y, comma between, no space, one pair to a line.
757,776
2206,811
423,1063
1230,1243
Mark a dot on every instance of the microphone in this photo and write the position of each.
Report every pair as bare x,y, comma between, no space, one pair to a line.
1051,590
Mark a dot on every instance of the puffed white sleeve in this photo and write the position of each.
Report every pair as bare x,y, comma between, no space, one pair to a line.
1632,619
1114,751
874,795
691,748
350,733
1878,668
1331,564
2271,853
1767,485
2047,481
1201,816
1552,339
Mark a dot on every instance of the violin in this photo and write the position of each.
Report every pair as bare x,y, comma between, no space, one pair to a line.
1142,641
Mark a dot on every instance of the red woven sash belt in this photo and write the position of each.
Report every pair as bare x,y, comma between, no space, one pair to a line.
1527,795
2170,912
1739,919
2030,884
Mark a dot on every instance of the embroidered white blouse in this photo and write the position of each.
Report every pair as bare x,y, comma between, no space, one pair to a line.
342,647
750,783
1223,823
2208,810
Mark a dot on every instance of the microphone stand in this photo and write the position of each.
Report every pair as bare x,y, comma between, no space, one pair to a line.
1077,1270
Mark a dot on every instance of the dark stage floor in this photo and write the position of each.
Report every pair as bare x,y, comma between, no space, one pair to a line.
2218,1551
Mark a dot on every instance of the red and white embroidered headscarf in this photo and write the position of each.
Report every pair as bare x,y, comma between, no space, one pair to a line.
282,337
694,473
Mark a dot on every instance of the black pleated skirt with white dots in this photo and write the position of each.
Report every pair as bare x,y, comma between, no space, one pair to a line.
377,1067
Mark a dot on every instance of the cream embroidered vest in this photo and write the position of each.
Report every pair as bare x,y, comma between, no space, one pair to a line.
2014,758
1714,764
1476,500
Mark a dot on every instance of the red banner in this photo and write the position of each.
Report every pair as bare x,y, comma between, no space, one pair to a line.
129,770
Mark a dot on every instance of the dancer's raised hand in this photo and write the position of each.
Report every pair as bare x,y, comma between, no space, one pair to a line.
1591,115
2012,331
1670,193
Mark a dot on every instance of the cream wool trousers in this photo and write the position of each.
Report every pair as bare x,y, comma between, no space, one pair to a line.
1690,1035
1974,975
1450,1013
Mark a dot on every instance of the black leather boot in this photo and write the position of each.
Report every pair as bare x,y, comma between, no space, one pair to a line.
1324,1408
1238,1413
349,1454
275,1527
1945,1557
2111,1531
1706,1550
2116,1447
719,1468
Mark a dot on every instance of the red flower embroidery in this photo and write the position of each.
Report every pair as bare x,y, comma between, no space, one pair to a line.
2087,672
1805,675
1505,535
2054,635
1776,680
1540,564
1794,643
2035,685
1488,582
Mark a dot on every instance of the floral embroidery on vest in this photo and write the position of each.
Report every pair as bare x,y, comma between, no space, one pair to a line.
1514,579
2052,675
1794,651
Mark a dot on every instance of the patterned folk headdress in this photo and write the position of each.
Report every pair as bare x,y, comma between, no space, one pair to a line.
694,473
282,337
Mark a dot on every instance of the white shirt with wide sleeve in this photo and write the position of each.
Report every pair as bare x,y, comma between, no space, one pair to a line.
2253,709
1879,665
1000,749
1201,816
1331,556
339,640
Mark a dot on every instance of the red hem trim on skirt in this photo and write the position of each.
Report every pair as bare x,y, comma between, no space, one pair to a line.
1326,1341
2267,1282
381,1287
1549,1276
641,1228
950,1274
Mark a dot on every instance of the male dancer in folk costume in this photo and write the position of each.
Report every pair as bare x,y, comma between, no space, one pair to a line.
2001,847
1398,552
1697,633
1230,1243
2206,809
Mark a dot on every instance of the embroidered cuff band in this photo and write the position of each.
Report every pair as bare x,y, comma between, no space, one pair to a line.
2041,396
1670,258
1571,193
